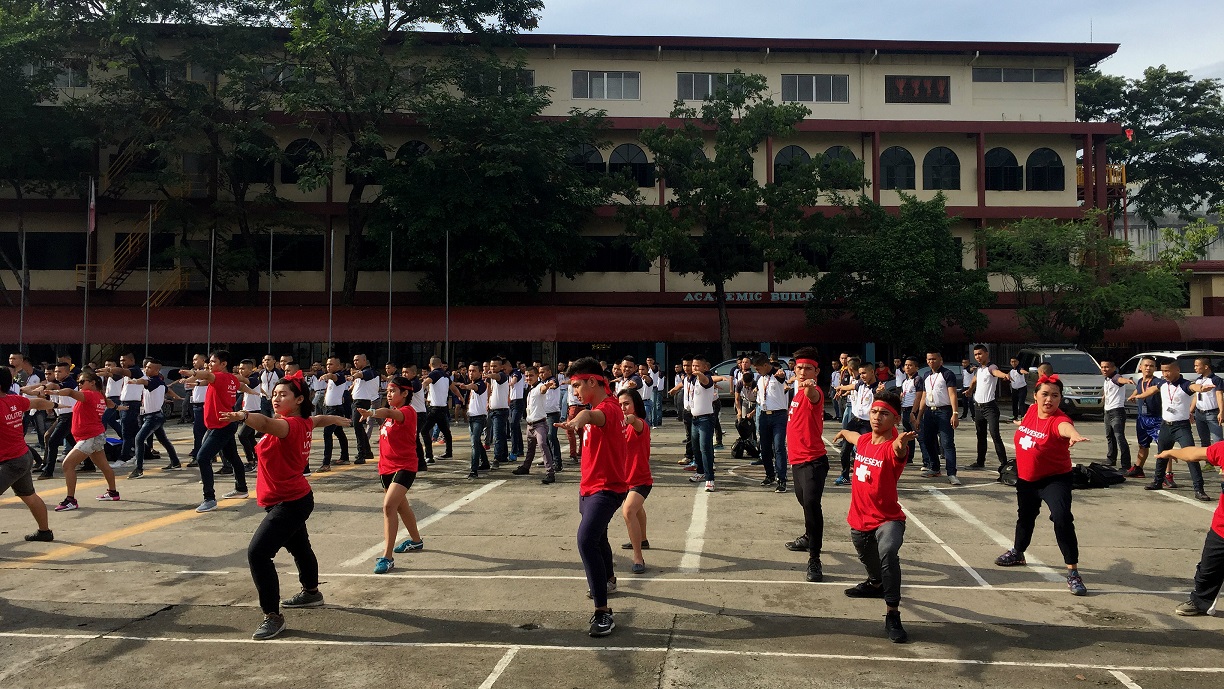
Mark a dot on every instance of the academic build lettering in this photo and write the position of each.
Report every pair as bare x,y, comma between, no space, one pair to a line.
750,297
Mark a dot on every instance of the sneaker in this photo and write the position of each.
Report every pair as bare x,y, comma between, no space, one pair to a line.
892,627
686,460
696,478
550,478
602,623
781,488
798,545
629,546
173,467
521,471
193,463
108,496
1187,609
1169,482
429,460
306,473
926,473
447,456
136,473
842,481
815,572
226,469
272,625
1201,496
1076,584
207,506
410,545
234,494
342,462
1010,559
690,467
116,464
769,482
40,535
539,462
304,599
709,486
865,589
384,565
718,446
473,475
323,469
611,588
638,568
1134,472
66,505
1154,485
953,481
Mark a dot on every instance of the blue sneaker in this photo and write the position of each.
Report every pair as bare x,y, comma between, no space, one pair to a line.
841,481
384,565
513,458
410,545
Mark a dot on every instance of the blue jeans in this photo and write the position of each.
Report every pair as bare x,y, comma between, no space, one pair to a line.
649,404
153,425
554,417
110,417
772,429
703,444
476,427
518,411
220,441
499,419
129,419
1208,424
934,430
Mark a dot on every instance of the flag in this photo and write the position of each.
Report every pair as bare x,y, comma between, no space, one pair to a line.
93,207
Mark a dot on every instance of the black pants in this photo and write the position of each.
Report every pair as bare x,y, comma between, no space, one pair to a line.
809,481
359,429
1209,574
688,433
987,417
197,427
284,526
1055,492
437,415
597,510
1115,437
1177,432
907,424
330,433
1018,405
60,430
423,441
847,452
246,438
718,432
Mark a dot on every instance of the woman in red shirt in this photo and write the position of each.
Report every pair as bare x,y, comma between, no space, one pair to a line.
285,495
90,435
16,459
397,467
1043,466
637,435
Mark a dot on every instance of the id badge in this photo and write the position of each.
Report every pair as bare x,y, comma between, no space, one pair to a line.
1172,410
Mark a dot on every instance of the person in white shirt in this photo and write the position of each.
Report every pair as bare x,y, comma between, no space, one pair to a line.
835,382
899,376
967,371
861,392
152,419
772,406
114,386
129,400
647,391
269,376
518,408
418,404
198,393
1209,406
935,417
552,409
680,393
1177,398
36,418
252,403
439,388
365,382
983,391
908,389
704,391
478,417
1113,392
497,377
660,389
537,426
318,386
334,405
1019,389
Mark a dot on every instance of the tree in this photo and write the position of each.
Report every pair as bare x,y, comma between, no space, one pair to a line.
1176,156
900,275
721,220
1072,282
500,179
357,69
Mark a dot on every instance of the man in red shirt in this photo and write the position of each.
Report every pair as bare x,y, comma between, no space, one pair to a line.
1209,575
807,457
223,388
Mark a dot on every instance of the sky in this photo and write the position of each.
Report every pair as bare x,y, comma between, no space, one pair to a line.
1182,34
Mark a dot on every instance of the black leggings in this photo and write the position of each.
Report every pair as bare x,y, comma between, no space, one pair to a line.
597,510
284,526
809,481
1055,492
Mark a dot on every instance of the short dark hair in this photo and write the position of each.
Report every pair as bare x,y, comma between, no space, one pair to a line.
63,364
806,353
760,359
936,352
701,357
6,380
151,360
1203,360
890,398
223,355
585,365
639,407
914,359
980,348
248,362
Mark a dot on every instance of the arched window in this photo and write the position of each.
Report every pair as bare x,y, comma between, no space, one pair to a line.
1045,171
789,158
411,150
588,158
297,154
841,168
841,153
941,169
630,159
1003,173
363,167
896,168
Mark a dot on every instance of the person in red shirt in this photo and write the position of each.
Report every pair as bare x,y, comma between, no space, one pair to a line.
809,462
16,460
637,435
285,495
398,464
1043,467
220,436
877,524
87,428
603,484
1209,575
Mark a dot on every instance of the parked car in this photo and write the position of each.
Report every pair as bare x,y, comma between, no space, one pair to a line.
1184,357
1078,370
724,368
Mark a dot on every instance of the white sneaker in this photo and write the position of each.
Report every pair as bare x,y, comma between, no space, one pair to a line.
117,464
234,494
709,486
952,480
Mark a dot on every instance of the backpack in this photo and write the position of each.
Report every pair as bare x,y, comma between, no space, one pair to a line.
1080,478
1101,476
1007,474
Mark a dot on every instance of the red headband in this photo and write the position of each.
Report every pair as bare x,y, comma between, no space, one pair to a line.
809,362
881,404
593,376
1052,378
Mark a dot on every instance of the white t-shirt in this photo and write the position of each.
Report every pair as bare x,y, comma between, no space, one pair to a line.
439,387
1114,393
899,376
334,396
1207,400
1176,400
703,397
478,399
132,392
1017,379
32,379
537,397
552,399
366,390
418,398
909,391
935,386
153,400
987,387
198,392
499,392
771,393
114,386
861,398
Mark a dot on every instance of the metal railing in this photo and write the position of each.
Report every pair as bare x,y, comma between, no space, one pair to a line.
170,288
114,271
1115,175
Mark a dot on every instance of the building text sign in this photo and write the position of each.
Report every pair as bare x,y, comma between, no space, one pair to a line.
749,297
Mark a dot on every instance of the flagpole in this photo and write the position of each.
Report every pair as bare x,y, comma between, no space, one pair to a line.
390,267
22,280
212,262
331,283
90,222
148,279
271,237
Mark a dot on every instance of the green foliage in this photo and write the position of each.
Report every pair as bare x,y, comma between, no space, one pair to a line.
900,275
1187,244
1072,281
1177,155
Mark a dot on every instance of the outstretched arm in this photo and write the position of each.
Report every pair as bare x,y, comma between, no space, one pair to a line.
261,423
381,413
1185,454
331,420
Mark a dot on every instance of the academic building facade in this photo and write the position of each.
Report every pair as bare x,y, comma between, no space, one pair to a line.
990,125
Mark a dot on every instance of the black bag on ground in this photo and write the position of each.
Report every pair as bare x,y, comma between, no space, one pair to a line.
1102,476
745,448
1007,474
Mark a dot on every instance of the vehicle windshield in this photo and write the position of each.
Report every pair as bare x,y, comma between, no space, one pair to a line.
1072,364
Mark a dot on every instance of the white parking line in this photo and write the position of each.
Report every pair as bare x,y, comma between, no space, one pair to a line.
499,669
1209,506
694,540
1126,681
947,548
377,548
1033,562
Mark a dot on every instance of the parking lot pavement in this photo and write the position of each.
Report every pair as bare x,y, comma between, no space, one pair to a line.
146,592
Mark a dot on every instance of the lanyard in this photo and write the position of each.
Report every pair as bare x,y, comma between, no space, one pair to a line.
1172,390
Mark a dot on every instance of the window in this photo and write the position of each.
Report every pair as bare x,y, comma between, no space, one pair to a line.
614,255
789,158
411,150
1003,173
606,85
493,82
159,74
1045,171
1018,75
917,89
46,250
588,158
297,154
629,159
816,88
199,171
1049,76
290,251
941,169
896,168
987,74
702,85
362,167
842,168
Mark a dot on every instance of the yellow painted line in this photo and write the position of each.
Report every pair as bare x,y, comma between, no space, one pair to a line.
73,549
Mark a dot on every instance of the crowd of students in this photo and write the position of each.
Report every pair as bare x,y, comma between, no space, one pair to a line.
272,409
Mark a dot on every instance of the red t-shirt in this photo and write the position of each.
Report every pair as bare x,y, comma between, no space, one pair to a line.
220,397
805,428
873,483
87,416
1215,456
281,463
397,444
605,452
1040,450
639,456
12,430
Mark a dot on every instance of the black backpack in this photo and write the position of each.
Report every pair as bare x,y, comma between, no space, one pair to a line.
1095,475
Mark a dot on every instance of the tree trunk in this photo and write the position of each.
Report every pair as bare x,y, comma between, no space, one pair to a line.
724,319
357,216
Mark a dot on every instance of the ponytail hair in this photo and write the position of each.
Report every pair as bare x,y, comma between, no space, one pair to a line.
298,388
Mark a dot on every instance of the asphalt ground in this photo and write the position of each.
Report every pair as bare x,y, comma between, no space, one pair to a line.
145,592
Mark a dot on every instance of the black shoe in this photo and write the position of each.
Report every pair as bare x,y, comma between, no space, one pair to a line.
40,535
1202,496
798,545
343,461
781,488
977,465
865,589
768,482
497,465
892,626
429,460
815,572
485,467
601,623
193,464
359,460
173,467
629,546
304,599
447,456
548,479
521,471
368,455
271,626
473,475
152,454
1155,485
225,470
759,462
